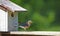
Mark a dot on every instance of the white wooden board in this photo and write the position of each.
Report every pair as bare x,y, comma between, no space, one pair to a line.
3,21
36,33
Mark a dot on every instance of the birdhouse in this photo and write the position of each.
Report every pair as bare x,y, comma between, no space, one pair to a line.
9,15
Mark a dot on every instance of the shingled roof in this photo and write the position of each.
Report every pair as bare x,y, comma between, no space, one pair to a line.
13,6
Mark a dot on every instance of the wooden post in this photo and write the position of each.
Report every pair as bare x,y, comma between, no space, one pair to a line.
0,34
4,33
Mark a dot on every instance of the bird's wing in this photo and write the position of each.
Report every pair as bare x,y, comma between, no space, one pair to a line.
24,24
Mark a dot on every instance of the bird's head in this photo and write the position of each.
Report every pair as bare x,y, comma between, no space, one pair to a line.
29,21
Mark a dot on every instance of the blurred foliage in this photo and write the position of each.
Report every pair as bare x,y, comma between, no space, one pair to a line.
45,14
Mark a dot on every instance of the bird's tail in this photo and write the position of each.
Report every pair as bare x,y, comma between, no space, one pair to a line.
22,27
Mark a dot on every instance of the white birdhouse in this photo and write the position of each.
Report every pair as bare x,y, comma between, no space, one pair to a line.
9,18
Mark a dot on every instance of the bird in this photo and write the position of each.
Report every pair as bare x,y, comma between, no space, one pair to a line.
26,25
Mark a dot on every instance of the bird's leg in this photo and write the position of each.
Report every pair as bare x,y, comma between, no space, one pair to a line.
25,29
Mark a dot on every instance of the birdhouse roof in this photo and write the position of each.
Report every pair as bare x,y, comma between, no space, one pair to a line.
13,6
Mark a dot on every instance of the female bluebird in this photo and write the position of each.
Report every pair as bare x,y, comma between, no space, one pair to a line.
26,25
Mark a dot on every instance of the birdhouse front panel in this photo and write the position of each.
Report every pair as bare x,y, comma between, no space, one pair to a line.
13,21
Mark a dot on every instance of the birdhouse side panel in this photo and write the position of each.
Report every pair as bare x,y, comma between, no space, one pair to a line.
3,20
13,21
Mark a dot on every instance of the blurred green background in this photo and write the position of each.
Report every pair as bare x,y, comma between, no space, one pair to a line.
45,14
